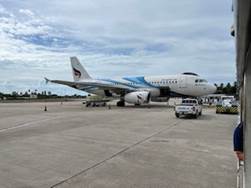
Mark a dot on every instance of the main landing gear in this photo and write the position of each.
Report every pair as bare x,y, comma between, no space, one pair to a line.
121,103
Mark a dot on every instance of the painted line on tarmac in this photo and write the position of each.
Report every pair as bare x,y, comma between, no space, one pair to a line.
27,124
115,155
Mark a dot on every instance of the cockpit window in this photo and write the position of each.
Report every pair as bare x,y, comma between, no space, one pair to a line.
200,80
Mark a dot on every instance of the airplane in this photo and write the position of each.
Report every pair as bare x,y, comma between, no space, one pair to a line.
138,90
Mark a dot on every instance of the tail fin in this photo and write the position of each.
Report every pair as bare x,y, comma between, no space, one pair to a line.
78,71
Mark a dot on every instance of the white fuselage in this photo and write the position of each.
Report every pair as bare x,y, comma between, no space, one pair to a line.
179,85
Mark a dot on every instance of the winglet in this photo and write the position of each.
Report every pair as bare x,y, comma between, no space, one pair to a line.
46,80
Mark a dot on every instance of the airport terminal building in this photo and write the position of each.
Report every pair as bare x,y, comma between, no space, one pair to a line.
243,41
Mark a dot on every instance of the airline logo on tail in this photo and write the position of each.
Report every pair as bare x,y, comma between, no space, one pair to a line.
77,72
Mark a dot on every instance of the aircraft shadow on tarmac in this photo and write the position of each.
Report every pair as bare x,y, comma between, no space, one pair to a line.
145,106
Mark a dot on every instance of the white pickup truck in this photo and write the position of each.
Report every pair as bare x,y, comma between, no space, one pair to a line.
188,107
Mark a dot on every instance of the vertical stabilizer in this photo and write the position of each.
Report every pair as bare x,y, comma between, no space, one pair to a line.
78,71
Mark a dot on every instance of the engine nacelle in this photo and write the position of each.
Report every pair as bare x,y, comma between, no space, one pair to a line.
137,97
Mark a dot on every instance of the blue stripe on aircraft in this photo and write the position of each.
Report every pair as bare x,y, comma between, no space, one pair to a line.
121,83
139,80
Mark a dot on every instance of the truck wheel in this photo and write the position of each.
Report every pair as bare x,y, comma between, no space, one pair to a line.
177,115
196,115
200,113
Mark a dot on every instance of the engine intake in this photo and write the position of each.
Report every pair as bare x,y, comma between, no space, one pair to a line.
137,97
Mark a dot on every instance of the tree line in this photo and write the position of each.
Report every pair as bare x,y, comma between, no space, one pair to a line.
34,95
228,89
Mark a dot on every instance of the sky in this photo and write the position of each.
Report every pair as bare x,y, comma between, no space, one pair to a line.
113,38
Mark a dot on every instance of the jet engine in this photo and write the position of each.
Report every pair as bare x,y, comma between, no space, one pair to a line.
137,97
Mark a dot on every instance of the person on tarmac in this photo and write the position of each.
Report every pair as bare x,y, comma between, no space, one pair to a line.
238,141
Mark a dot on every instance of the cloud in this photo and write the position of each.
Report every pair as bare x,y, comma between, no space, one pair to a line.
26,12
114,38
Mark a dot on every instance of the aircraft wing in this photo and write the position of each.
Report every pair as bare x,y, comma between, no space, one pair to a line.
85,84
68,83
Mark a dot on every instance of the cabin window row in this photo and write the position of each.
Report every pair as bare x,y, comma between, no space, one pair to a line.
166,82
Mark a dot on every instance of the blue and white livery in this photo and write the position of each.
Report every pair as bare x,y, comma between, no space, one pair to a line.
140,89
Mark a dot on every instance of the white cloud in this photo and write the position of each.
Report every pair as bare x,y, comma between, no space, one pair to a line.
115,38
26,12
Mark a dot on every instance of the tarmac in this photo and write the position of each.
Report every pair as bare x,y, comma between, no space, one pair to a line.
70,145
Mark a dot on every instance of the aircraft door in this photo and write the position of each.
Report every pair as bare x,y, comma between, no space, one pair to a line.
183,83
